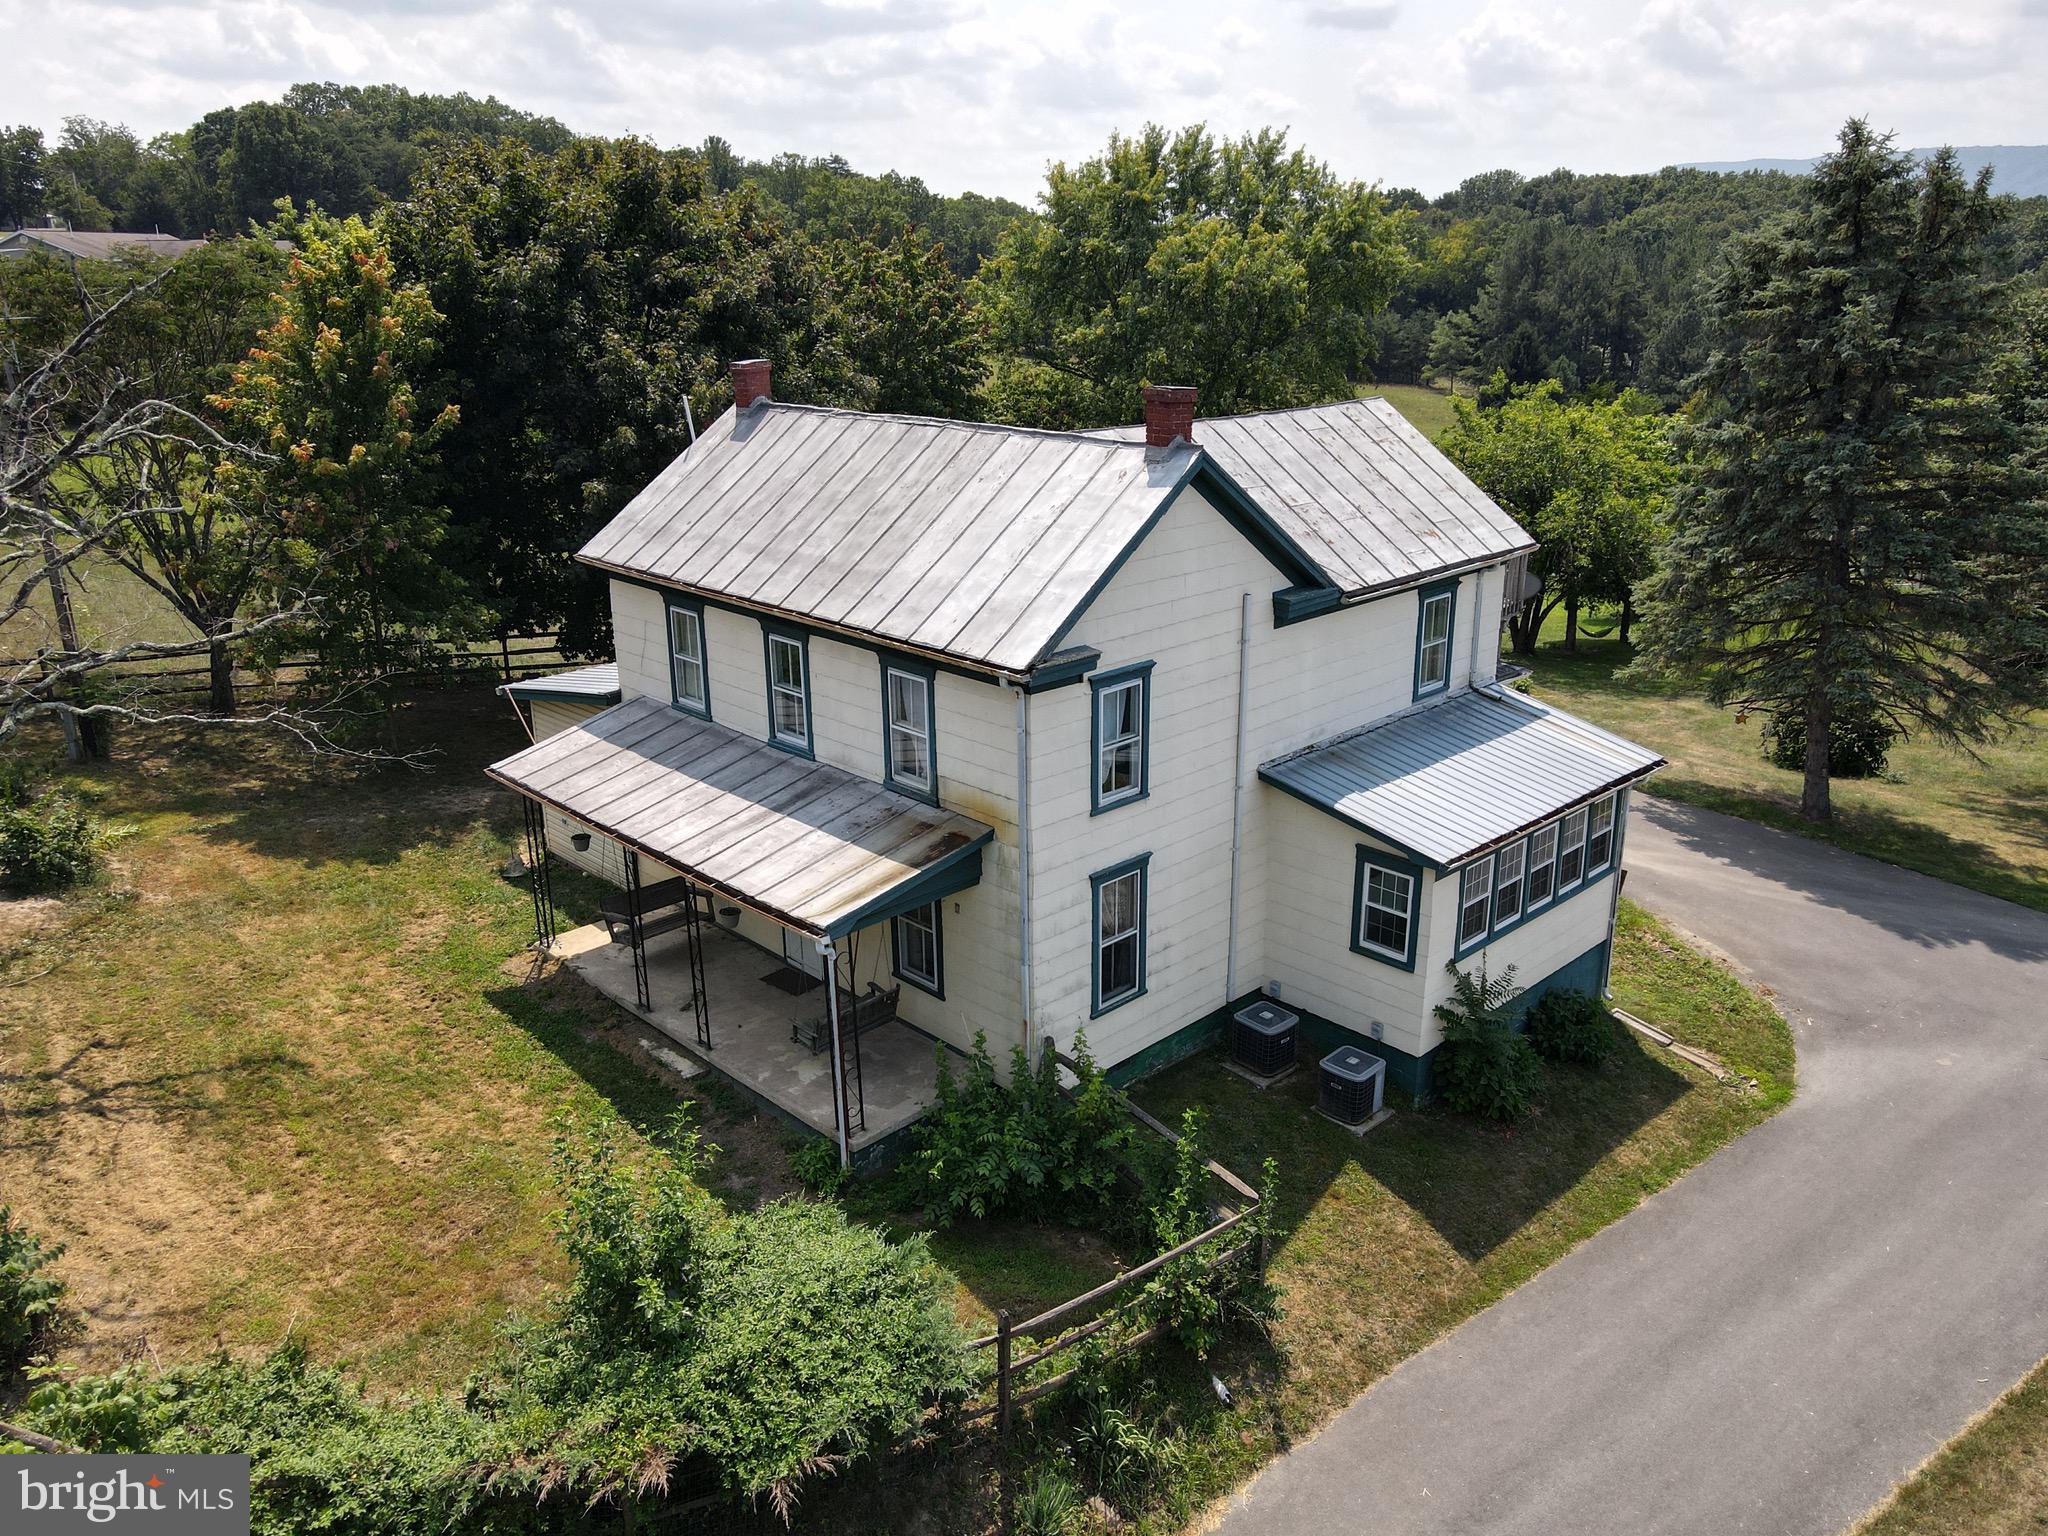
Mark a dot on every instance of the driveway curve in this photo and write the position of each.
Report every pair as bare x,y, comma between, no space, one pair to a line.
1772,1342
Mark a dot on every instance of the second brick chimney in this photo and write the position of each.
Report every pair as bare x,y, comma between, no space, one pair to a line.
1169,414
749,382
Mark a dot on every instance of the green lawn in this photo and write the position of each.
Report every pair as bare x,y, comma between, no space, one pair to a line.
1428,410
1979,822
291,1071
1991,1480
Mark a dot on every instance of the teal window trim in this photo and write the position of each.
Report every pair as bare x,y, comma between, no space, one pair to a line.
919,671
1586,881
935,984
1105,683
770,634
671,606
1141,866
1446,591
1370,859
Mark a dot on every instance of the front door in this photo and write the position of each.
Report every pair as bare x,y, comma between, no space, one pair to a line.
800,952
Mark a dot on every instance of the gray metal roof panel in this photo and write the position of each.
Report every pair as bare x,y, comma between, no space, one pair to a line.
1451,779
809,844
599,683
1370,499
955,538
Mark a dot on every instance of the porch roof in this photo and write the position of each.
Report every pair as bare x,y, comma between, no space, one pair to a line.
594,684
1447,782
806,844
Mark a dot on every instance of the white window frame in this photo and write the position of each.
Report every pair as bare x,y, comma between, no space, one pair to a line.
1571,838
1475,890
1607,807
898,731
1514,856
1405,913
800,691
679,659
1134,936
1105,744
1548,860
924,920
1424,683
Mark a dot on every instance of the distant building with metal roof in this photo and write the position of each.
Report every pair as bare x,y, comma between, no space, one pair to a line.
93,244
595,684
1375,504
1449,781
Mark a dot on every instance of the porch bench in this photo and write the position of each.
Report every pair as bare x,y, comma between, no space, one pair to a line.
875,1006
664,907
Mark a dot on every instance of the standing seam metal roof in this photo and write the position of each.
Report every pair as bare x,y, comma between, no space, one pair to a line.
1371,500
599,683
953,538
1448,781
811,845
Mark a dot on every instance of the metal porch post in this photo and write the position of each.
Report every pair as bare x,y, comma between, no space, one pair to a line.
633,929
831,958
540,883
694,926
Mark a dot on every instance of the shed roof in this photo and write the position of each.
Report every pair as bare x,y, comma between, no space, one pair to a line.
1373,502
809,845
978,543
98,245
595,684
1451,780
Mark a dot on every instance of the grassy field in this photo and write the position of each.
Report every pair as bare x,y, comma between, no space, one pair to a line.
1991,1480
1980,823
292,1073
1428,410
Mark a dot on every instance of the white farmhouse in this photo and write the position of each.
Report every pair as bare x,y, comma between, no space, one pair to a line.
1033,733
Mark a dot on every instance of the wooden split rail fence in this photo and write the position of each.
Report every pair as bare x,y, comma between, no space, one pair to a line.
1113,1301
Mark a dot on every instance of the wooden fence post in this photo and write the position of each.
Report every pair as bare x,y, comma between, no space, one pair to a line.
1003,1372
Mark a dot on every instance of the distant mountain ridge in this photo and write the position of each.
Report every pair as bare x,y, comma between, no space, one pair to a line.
2019,170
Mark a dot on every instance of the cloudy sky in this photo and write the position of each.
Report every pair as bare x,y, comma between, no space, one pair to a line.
983,93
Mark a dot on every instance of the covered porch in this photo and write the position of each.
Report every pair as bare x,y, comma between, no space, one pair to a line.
757,889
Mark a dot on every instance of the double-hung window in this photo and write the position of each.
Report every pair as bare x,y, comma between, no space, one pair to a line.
1123,718
1475,900
789,693
917,948
907,723
1119,934
1433,638
1542,876
1571,850
1383,915
1508,866
689,683
1600,836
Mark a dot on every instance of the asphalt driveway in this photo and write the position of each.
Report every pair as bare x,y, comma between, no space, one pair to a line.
1775,1340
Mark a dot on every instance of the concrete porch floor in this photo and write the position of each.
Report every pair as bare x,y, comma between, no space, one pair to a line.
750,1027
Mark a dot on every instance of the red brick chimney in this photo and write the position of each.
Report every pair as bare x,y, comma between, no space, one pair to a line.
1169,414
749,381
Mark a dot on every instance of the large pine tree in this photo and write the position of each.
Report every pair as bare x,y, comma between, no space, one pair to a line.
1863,535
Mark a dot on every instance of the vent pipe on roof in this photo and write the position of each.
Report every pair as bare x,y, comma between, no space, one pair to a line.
749,382
1169,414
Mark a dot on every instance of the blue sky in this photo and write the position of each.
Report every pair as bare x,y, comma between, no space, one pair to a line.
981,94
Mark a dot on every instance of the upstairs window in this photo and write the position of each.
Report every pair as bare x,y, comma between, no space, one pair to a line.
1123,718
907,719
688,681
1542,875
1119,934
1433,632
789,693
1475,900
1600,836
1507,884
1571,850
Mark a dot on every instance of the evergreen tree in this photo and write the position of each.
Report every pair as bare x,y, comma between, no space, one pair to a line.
1862,536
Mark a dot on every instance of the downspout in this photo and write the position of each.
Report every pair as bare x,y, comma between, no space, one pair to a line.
1024,864
1244,643
831,958
1478,599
